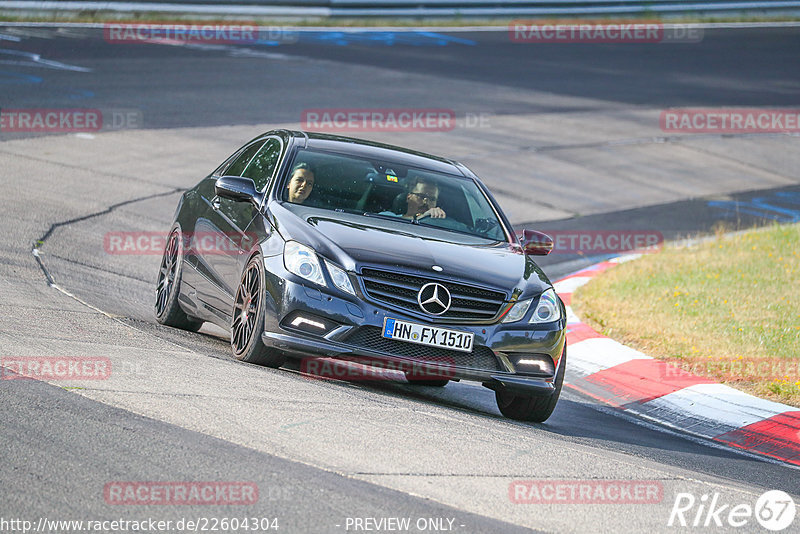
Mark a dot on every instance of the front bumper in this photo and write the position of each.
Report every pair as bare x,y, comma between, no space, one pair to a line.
351,328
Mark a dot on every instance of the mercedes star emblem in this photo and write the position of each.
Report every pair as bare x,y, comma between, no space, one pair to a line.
434,298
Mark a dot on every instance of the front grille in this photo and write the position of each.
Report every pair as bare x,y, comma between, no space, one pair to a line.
369,337
468,302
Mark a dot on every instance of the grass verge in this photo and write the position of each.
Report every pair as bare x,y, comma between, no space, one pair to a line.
727,309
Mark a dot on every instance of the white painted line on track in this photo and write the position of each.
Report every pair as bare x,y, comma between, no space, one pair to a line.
600,353
661,426
719,402
571,284
571,317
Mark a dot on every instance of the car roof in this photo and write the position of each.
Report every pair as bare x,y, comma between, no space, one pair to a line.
374,150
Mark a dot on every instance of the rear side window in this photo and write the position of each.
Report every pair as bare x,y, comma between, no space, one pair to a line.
240,163
262,166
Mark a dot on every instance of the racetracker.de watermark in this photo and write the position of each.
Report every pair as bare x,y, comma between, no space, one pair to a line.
68,120
736,369
154,243
208,33
730,121
585,492
639,31
148,493
379,120
372,371
55,368
588,242
146,524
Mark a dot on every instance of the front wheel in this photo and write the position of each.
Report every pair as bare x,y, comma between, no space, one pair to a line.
168,285
530,408
248,319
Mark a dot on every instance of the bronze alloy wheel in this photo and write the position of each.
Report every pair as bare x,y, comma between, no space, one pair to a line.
166,308
248,319
246,309
167,272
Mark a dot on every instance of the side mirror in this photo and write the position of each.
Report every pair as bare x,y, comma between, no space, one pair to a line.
238,189
535,243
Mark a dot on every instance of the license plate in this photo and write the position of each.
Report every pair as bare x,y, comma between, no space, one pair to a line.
427,335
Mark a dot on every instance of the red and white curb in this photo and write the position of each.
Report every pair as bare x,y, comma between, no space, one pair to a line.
658,391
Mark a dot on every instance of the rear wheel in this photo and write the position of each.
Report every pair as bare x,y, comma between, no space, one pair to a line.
248,319
168,285
530,408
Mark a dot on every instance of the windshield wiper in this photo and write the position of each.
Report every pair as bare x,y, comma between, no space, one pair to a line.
349,210
388,217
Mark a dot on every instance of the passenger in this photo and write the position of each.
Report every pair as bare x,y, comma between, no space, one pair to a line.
301,183
421,201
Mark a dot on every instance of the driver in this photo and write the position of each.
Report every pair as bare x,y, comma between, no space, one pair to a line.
421,199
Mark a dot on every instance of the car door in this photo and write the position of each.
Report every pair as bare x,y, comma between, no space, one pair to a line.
222,237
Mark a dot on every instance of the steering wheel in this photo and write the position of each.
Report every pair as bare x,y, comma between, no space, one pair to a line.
486,226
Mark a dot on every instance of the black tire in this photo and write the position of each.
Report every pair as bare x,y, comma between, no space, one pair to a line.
431,383
247,322
529,408
167,310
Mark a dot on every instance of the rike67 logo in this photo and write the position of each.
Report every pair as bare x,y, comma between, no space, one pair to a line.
774,510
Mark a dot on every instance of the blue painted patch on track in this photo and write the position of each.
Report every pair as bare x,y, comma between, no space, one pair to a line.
80,94
381,38
16,78
778,206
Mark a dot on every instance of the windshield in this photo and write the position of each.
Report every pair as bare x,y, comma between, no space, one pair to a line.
391,191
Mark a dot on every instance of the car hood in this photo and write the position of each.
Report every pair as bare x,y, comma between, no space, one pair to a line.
354,242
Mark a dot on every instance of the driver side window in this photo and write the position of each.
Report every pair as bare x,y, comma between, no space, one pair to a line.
244,158
262,166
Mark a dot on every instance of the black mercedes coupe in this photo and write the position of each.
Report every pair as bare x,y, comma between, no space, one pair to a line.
310,246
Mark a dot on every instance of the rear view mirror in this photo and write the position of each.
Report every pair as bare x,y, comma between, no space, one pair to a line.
535,243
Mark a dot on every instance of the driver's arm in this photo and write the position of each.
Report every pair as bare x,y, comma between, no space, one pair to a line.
435,212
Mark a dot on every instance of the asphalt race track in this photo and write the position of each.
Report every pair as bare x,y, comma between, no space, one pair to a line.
566,135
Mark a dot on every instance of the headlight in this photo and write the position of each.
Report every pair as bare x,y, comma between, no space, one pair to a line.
302,261
517,311
340,278
548,309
